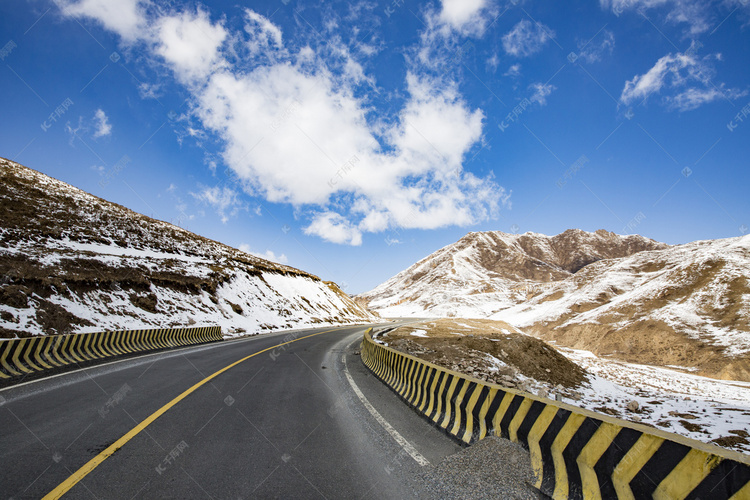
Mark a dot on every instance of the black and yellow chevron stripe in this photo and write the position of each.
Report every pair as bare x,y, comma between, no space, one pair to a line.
20,357
575,453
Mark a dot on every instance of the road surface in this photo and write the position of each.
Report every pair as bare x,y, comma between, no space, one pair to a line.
300,420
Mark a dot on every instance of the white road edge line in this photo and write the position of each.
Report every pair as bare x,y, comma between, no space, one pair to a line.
405,445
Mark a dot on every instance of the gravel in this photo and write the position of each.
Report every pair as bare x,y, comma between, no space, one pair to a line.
489,469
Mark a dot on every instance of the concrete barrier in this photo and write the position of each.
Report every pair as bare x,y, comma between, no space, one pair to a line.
27,357
575,453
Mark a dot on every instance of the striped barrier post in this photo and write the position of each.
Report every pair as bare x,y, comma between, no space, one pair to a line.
575,453
23,357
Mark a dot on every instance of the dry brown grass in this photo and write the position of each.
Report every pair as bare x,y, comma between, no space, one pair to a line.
521,353
38,217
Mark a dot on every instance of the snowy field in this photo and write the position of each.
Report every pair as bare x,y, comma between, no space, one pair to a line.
696,407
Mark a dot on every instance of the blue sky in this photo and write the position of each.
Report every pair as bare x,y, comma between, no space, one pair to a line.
351,139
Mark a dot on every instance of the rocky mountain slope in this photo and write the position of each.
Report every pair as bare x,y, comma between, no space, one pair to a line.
72,262
484,273
688,306
623,296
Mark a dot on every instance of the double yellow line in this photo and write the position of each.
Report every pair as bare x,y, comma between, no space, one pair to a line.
92,464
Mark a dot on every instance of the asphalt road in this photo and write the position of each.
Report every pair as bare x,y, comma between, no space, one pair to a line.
285,423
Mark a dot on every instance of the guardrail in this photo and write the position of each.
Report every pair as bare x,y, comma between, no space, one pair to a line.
575,453
26,357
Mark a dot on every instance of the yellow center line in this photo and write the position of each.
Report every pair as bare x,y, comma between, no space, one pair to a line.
92,464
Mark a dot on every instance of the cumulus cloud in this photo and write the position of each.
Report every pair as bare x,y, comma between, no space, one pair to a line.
443,43
335,228
460,13
124,17
526,38
286,131
295,129
189,43
103,127
310,143
685,73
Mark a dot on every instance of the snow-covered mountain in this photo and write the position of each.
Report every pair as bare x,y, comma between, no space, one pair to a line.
688,306
72,262
484,273
622,296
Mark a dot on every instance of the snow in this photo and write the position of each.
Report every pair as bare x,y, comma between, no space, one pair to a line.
264,308
454,284
667,398
115,250
665,395
686,368
251,295
418,333
495,363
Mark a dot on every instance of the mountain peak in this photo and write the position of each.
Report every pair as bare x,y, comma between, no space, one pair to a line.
498,262
600,291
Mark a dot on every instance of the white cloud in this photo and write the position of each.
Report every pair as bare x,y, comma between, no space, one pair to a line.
514,71
225,200
436,127
334,228
460,13
443,43
540,92
286,131
263,33
693,98
124,17
493,62
595,50
526,38
267,255
679,71
103,127
190,44
298,139
642,86
698,15
188,41
692,13
149,90
294,129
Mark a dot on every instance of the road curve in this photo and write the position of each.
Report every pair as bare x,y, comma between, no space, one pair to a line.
285,422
